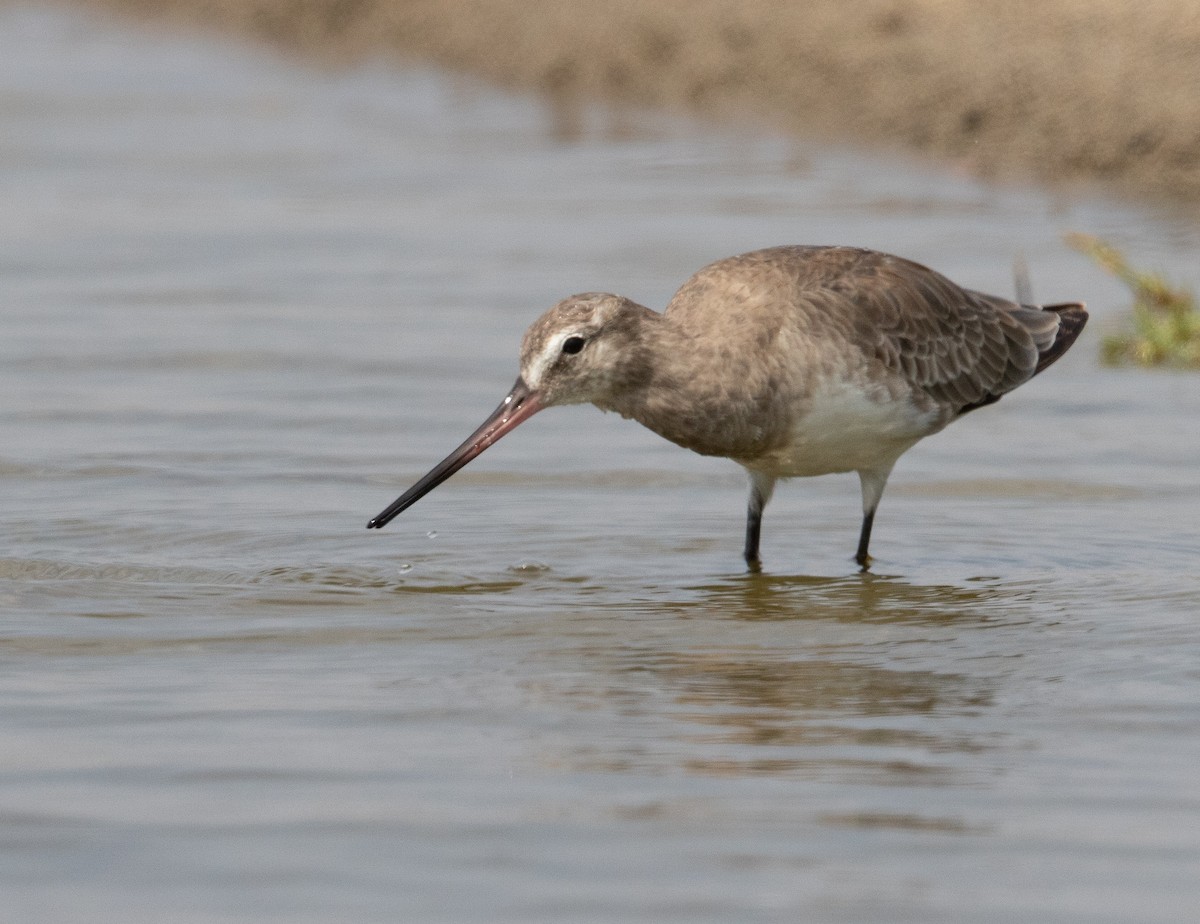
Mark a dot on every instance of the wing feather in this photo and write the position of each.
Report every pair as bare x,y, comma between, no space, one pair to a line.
962,348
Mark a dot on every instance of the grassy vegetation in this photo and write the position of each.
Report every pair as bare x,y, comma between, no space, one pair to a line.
1165,324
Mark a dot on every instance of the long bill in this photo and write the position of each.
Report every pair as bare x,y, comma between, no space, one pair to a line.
521,404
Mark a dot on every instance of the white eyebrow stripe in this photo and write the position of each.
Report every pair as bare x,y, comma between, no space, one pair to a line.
550,352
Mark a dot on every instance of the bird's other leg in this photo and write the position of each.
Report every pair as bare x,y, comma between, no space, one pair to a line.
873,484
761,488
862,556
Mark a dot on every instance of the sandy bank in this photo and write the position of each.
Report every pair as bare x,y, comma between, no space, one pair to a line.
1099,90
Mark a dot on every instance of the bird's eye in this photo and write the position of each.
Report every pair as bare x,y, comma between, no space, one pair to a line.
573,345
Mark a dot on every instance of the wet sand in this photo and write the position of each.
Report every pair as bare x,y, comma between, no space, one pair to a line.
1104,91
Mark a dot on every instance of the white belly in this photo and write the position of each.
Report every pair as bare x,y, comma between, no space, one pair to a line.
847,428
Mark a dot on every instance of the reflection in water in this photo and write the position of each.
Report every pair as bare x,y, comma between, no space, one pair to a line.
867,598
819,716
826,682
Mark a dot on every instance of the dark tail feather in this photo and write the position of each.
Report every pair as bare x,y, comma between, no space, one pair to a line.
1072,316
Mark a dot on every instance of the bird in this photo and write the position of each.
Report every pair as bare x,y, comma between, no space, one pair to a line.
793,361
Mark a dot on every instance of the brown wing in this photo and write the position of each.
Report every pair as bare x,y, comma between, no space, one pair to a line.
964,349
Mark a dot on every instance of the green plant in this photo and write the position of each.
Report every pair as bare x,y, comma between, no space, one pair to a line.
1165,324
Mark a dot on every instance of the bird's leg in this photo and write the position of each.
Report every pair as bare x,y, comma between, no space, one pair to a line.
872,484
864,539
761,487
753,529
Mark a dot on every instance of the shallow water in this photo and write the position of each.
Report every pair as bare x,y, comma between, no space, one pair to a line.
246,302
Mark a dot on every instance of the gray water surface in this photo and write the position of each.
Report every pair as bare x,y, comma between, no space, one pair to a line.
245,302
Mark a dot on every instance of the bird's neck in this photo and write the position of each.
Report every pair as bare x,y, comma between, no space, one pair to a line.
680,389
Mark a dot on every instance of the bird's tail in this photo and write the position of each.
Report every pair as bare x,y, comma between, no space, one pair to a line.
1072,316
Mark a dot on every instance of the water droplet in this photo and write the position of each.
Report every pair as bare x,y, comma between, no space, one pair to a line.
531,566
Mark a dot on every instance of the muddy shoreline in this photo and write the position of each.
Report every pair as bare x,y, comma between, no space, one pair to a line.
1095,91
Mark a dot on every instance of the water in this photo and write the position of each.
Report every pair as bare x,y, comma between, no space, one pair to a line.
246,302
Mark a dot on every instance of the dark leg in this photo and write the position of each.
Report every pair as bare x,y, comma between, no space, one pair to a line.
873,483
761,487
864,540
753,530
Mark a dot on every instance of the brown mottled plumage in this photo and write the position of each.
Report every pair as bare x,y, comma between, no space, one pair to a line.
792,361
